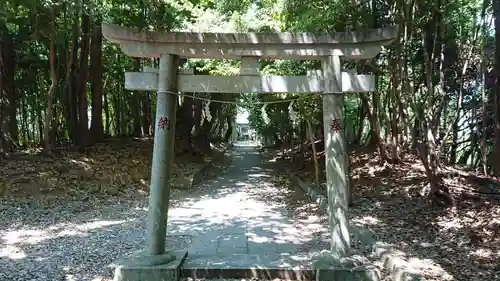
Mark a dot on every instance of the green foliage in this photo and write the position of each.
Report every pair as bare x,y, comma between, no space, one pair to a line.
232,6
28,25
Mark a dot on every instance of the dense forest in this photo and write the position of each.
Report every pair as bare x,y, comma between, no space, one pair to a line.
76,146
63,85
437,88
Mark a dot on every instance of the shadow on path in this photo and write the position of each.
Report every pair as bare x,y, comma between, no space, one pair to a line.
246,216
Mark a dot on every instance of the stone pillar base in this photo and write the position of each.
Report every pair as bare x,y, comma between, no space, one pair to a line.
140,267
330,268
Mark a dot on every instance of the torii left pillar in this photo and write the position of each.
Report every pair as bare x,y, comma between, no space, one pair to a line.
155,262
163,153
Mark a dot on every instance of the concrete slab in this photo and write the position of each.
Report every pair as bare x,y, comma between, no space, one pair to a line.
131,269
351,268
259,266
234,230
233,244
235,239
265,247
283,247
362,273
212,236
204,248
270,266
232,250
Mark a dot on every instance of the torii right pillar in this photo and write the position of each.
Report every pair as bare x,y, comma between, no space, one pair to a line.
335,156
338,263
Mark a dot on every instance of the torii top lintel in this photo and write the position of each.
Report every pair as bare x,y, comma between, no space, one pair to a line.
363,44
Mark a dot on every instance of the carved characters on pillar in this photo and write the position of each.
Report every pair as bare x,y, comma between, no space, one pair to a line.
335,126
164,123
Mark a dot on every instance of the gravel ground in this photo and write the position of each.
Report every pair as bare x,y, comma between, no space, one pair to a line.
59,239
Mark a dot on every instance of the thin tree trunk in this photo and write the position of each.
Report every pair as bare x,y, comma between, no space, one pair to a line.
8,121
361,121
483,102
146,114
53,74
82,82
24,121
135,105
472,129
72,105
315,154
106,111
376,137
96,69
495,155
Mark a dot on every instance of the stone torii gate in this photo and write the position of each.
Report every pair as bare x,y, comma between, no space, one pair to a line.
331,82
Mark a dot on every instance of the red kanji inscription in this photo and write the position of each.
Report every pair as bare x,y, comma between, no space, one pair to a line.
335,126
164,123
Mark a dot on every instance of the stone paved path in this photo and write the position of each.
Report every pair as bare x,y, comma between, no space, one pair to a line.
244,219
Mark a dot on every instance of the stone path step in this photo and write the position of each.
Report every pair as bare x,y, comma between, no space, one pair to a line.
251,266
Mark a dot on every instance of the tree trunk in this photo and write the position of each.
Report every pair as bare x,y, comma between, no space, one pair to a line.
472,128
96,79
8,120
454,143
53,74
107,125
24,121
71,108
184,126
135,105
484,101
198,107
314,153
495,155
40,122
82,82
361,121
375,125
431,108
229,131
146,114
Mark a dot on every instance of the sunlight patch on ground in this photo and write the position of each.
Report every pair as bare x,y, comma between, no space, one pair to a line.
12,252
246,210
83,164
418,166
483,253
35,236
450,224
70,277
429,267
366,220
